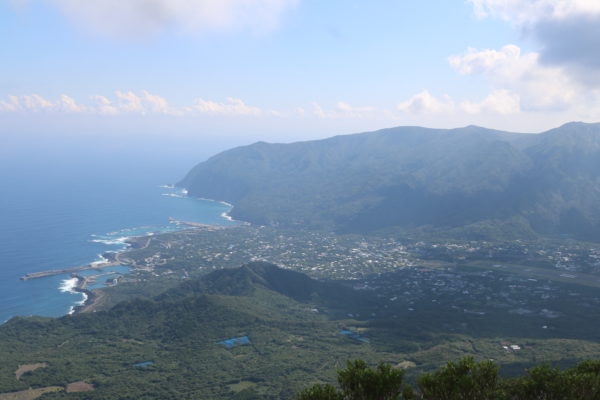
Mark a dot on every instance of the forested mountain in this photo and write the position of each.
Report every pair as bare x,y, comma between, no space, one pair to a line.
407,177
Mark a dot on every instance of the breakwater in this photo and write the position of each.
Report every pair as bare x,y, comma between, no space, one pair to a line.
42,274
196,224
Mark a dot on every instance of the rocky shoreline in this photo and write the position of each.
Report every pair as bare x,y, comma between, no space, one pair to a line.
90,300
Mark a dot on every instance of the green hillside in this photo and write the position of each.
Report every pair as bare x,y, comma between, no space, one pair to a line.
179,333
469,178
288,331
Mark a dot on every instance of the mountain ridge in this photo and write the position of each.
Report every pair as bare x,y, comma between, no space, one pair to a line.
410,177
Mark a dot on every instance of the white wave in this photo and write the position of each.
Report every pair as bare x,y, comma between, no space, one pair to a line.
167,186
226,216
83,300
67,285
102,260
120,232
173,195
185,192
120,240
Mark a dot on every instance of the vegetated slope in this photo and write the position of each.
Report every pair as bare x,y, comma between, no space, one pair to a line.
412,177
299,331
178,332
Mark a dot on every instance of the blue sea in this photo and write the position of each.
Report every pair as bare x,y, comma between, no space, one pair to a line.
63,206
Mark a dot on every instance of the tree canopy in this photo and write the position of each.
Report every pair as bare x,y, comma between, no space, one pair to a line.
465,379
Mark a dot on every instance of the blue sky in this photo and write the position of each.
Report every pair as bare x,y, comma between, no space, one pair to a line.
283,70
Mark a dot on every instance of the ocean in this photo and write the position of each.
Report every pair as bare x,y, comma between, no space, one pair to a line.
64,208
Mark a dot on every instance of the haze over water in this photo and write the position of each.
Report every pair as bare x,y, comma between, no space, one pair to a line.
55,202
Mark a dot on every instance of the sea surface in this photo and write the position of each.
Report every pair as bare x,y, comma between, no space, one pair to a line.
65,208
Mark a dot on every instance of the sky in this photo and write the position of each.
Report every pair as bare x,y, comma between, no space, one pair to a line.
238,71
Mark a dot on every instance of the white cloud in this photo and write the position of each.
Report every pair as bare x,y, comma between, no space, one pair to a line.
157,104
127,102
521,85
567,31
103,105
145,103
531,11
318,110
499,101
133,18
425,102
474,62
232,107
36,103
69,105
356,111
422,108
342,109
11,104
538,86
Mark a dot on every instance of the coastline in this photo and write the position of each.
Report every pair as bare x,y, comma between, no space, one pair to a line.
78,283
224,214
91,297
94,297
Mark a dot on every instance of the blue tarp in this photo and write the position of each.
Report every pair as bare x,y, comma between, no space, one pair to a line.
239,341
354,336
143,364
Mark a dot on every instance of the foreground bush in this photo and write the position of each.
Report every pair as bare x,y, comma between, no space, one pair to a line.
359,382
461,380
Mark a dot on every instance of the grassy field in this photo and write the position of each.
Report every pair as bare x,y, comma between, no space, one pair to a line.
30,394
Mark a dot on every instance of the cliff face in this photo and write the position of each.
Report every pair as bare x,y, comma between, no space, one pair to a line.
411,177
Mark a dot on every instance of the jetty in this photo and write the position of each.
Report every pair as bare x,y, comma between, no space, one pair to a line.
195,224
53,272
